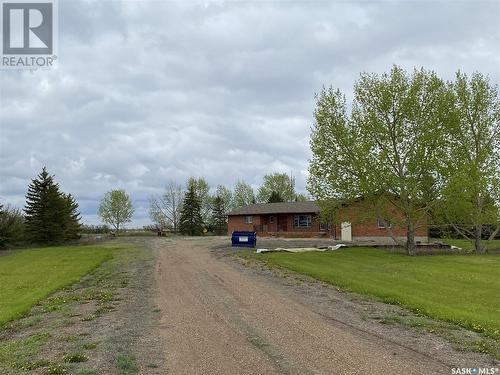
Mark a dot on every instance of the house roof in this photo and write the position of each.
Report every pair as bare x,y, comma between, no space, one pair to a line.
277,208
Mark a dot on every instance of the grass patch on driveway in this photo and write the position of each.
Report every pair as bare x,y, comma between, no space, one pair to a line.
28,276
460,289
74,330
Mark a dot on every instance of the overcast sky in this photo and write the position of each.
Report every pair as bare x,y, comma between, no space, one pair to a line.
151,91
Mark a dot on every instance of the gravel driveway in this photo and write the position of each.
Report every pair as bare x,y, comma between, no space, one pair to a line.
216,319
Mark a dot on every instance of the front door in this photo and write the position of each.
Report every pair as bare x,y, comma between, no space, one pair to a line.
345,232
282,223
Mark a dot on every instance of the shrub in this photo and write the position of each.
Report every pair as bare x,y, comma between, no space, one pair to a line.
11,226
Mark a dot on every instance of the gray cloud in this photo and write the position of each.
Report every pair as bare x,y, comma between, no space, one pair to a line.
152,91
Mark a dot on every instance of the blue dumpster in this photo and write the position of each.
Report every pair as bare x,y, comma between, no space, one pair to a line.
244,239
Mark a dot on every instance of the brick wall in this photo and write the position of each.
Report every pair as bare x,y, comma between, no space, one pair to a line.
263,223
362,217
364,222
237,223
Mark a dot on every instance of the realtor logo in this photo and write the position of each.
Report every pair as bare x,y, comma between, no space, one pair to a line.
28,33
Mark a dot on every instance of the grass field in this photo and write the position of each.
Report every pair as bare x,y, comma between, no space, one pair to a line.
461,289
27,276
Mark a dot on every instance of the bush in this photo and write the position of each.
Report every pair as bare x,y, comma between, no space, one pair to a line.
11,226
95,229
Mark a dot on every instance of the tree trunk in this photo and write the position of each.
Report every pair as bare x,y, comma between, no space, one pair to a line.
494,233
394,238
478,226
460,232
117,229
410,237
478,232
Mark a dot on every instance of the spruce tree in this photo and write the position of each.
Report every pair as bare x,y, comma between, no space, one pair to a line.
51,216
71,217
219,216
191,222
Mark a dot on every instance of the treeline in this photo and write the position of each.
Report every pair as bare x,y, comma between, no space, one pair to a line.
49,217
196,208
415,142
95,229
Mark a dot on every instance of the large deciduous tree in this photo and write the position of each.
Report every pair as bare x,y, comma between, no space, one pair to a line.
471,193
51,216
227,197
280,183
116,208
191,221
386,149
165,210
243,194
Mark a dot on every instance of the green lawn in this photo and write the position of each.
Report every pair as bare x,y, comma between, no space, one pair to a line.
27,276
460,288
467,245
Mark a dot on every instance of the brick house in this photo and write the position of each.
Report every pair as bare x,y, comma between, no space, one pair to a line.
301,219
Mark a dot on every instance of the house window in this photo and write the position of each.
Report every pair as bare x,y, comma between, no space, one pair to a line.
248,219
271,219
302,221
324,226
384,224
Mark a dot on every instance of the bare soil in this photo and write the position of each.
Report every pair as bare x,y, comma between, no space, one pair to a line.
219,317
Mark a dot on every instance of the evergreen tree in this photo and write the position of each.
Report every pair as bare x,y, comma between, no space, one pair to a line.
51,216
71,217
275,197
191,222
301,197
42,207
219,216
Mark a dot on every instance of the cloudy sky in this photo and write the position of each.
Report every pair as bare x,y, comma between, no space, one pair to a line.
152,91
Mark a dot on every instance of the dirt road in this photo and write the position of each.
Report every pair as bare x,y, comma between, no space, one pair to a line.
217,320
